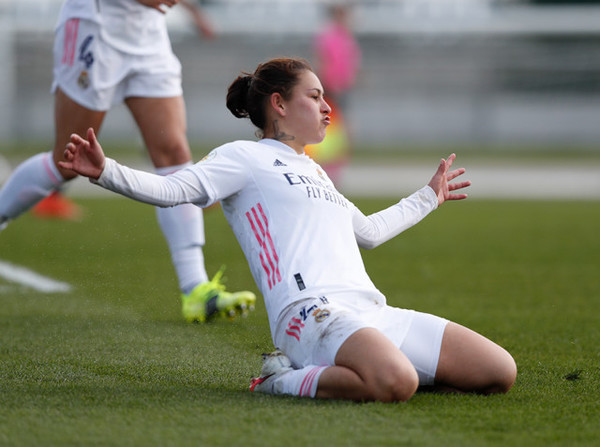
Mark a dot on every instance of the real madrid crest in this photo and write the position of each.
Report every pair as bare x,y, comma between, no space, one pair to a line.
84,80
212,154
321,315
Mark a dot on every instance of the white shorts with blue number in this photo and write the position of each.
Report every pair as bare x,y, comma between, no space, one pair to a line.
98,76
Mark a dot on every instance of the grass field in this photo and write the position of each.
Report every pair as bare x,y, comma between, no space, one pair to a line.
113,363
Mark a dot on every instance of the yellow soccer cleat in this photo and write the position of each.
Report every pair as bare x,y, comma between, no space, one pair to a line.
210,299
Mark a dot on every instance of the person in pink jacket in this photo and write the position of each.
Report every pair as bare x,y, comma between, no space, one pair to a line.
338,58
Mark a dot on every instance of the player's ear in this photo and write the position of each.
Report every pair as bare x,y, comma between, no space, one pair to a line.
277,103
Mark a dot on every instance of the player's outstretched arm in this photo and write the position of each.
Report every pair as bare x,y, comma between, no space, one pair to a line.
85,157
440,181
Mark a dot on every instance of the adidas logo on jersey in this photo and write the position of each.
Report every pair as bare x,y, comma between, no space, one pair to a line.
277,162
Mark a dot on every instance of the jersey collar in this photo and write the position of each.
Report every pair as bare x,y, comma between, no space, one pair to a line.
278,144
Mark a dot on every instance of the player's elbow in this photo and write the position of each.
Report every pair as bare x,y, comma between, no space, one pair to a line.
367,243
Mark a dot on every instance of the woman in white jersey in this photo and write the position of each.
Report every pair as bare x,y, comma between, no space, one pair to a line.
301,237
112,51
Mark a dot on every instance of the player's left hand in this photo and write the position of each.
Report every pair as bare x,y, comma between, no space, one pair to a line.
440,181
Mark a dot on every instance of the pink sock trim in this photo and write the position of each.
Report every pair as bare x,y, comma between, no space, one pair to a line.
48,165
310,381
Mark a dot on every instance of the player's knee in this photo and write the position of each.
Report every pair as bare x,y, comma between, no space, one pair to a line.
507,375
169,152
504,376
395,386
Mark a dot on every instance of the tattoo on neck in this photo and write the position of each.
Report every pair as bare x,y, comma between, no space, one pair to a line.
280,135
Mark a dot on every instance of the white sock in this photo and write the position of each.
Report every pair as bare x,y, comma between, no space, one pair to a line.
299,382
183,228
29,183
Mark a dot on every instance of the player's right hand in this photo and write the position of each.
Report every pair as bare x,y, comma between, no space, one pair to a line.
85,157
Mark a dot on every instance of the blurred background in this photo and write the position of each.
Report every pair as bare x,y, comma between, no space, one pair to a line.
499,74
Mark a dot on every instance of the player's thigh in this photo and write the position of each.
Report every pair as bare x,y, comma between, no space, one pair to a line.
378,361
162,123
471,362
71,117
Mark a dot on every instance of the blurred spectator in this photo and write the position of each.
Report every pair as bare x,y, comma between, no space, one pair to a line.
338,58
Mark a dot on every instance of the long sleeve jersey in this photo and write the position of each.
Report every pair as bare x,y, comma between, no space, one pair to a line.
300,236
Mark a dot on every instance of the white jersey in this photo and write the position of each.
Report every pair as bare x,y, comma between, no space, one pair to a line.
300,236
126,25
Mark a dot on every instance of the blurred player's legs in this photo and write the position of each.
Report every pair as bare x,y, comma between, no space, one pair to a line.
40,176
90,76
30,182
162,122
183,228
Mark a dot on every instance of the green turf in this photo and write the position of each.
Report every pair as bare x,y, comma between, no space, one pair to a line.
113,363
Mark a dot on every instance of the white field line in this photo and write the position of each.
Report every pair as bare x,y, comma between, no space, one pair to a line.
31,279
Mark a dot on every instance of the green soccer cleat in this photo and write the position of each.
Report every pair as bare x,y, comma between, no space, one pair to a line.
210,299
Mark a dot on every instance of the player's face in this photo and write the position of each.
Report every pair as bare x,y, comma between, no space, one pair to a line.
308,113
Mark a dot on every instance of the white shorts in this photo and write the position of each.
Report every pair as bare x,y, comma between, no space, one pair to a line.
311,331
97,76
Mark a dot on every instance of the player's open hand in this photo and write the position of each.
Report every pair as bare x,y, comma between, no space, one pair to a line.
440,181
85,157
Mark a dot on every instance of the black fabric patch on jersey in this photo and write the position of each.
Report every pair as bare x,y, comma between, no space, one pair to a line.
299,281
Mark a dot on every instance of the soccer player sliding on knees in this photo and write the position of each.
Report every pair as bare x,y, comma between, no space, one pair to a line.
336,337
